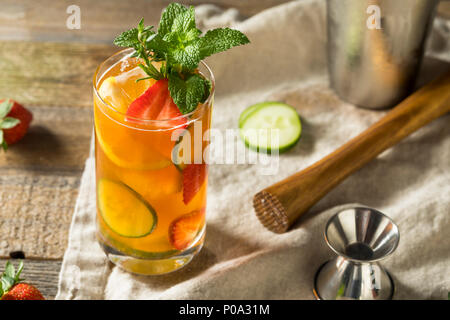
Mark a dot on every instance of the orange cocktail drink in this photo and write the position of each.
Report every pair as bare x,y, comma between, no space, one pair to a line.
151,171
152,107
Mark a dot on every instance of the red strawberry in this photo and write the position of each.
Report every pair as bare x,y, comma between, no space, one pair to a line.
12,288
193,177
150,103
156,104
14,122
23,291
183,230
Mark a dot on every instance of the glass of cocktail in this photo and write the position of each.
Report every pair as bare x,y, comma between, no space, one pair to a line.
152,110
151,194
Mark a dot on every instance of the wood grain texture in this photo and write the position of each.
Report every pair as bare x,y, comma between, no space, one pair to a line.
281,204
101,21
51,74
444,9
42,274
45,20
39,179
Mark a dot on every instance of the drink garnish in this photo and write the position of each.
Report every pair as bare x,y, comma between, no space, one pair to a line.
194,175
157,104
185,229
125,211
179,47
270,126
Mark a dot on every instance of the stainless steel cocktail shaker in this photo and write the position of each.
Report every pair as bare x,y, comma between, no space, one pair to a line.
375,48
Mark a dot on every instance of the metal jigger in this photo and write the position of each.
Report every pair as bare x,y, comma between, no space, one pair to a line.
360,237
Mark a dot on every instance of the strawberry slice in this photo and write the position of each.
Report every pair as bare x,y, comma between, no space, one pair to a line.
157,104
150,103
170,111
194,176
184,230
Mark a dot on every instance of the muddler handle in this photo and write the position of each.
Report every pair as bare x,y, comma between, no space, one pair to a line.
279,205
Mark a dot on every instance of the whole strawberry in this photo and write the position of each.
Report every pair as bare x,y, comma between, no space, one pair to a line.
14,122
12,288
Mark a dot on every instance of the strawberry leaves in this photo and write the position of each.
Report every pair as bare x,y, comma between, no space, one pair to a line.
9,123
5,121
180,46
5,108
10,277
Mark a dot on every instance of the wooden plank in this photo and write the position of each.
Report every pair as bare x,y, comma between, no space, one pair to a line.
58,140
42,274
101,21
444,9
50,74
45,20
39,179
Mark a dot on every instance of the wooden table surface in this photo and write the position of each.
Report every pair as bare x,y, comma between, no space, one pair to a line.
49,68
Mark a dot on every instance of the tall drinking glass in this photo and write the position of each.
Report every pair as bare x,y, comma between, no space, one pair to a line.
151,175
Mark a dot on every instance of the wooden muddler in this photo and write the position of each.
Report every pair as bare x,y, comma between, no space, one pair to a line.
279,205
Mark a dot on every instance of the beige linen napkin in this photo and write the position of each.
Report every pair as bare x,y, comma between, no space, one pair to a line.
241,259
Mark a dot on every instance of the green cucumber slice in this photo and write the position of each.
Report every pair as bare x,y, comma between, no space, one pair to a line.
124,210
247,111
177,159
257,121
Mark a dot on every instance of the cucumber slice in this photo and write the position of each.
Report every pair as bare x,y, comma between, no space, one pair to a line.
247,111
122,249
178,159
257,121
125,211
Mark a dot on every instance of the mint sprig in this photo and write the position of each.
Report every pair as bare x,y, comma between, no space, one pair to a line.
180,47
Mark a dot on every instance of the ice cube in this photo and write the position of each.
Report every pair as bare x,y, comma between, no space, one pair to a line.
127,81
113,94
120,91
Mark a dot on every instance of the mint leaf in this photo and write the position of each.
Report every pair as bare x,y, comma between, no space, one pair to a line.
5,108
184,21
185,58
187,93
179,46
168,17
9,123
182,41
128,38
222,39
158,46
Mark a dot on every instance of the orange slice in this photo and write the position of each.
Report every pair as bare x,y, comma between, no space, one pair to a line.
133,158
